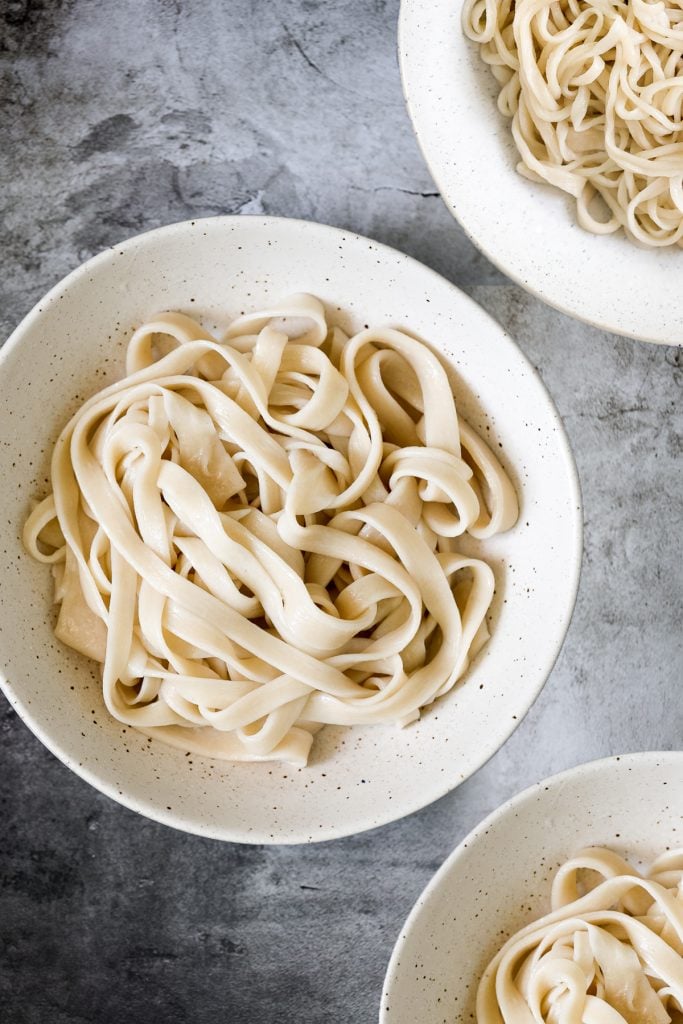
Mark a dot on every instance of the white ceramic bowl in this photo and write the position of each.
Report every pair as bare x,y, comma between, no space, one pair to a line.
73,342
499,878
528,230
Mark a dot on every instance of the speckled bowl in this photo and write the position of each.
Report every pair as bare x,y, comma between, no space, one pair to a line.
73,342
498,879
528,230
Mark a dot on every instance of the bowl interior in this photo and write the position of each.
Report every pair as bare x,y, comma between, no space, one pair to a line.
499,878
73,343
528,230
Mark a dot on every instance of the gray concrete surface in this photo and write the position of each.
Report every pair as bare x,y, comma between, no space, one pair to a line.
120,115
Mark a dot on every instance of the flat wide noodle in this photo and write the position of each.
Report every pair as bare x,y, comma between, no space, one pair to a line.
594,89
256,537
609,952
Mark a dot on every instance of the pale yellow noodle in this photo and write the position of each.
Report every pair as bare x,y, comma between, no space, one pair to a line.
609,952
594,89
258,536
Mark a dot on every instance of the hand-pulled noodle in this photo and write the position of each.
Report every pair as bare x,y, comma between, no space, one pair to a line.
595,92
610,952
258,536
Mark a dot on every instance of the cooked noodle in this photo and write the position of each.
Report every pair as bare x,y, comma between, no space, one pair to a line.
259,536
610,954
595,92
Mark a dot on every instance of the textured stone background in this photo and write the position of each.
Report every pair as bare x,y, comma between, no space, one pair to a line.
120,115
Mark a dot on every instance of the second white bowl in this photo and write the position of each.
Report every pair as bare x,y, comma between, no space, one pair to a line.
498,879
528,230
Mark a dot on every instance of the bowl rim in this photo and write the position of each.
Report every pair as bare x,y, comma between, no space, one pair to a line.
508,807
406,30
240,834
